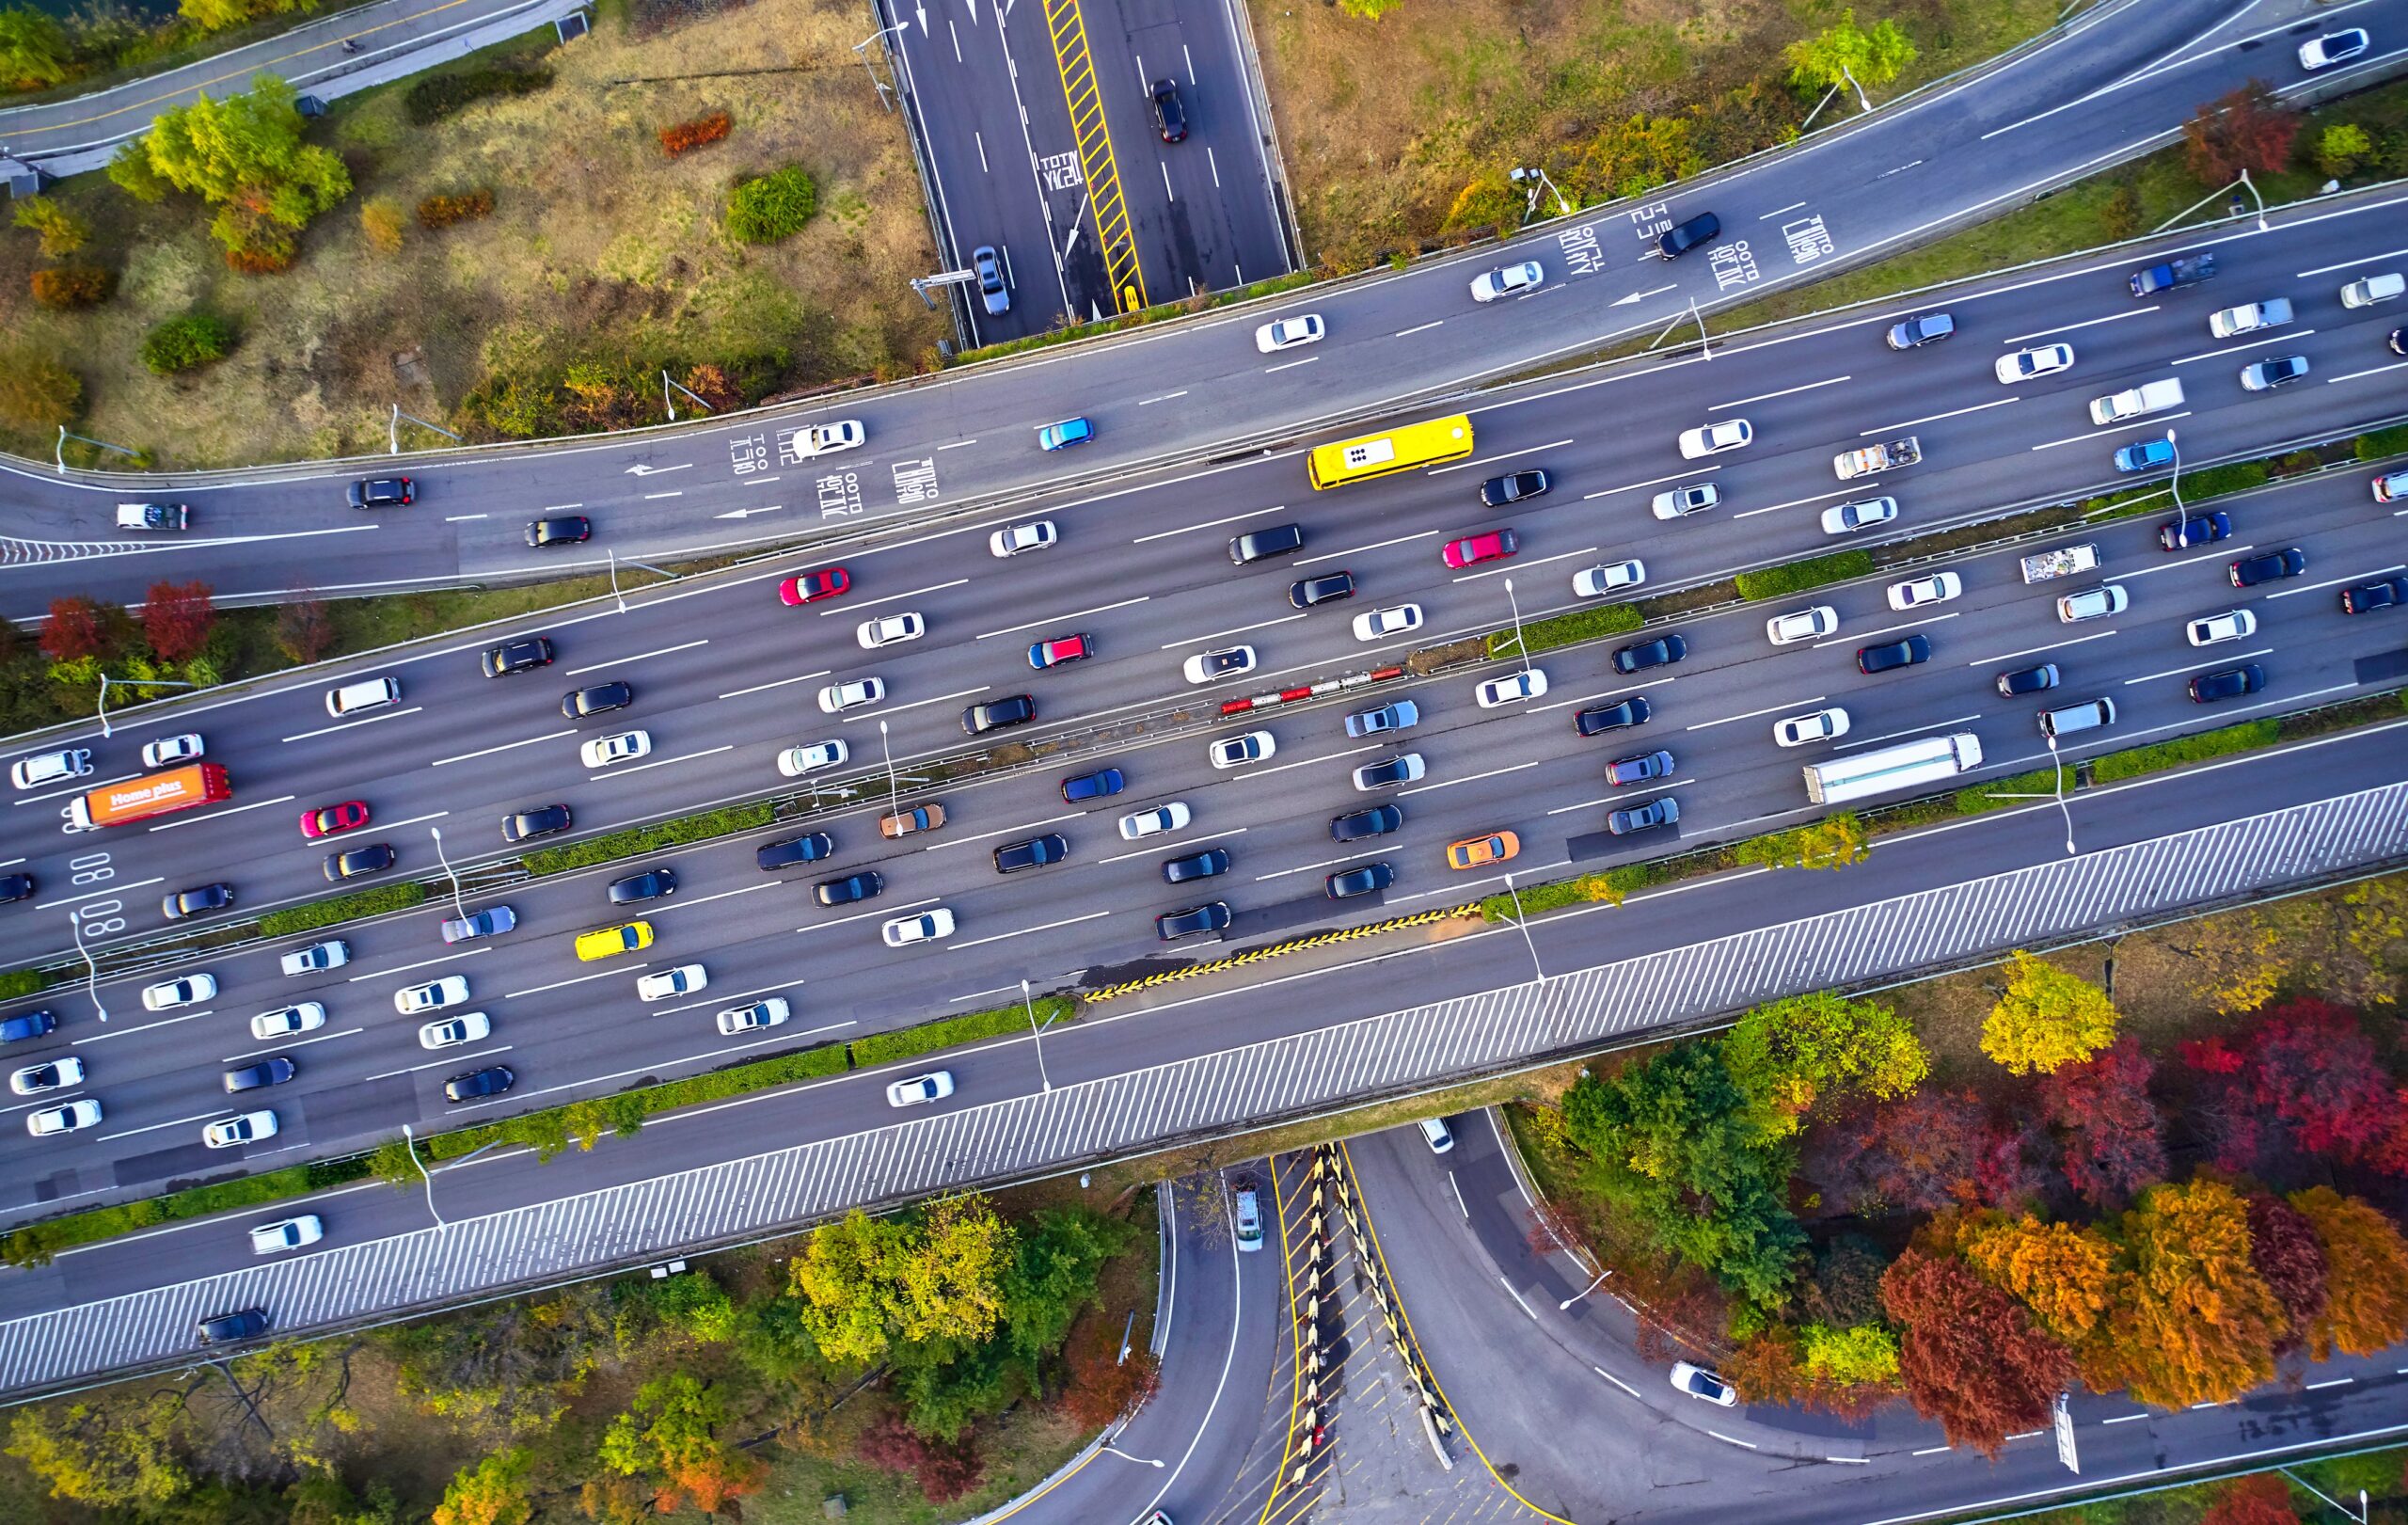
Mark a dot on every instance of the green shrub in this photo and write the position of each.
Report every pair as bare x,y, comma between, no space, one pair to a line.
341,908
2244,737
2375,445
180,343
550,1131
19,983
433,99
772,207
1797,577
1569,629
1982,797
885,1048
640,839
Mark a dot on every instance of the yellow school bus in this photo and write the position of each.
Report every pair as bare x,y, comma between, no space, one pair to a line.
1399,450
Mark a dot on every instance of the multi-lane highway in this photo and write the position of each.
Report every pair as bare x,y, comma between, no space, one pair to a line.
726,677
2114,82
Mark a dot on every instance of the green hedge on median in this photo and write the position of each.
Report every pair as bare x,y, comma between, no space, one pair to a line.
1797,577
885,1048
36,1243
19,983
2382,442
1570,629
555,1128
375,903
641,839
2132,763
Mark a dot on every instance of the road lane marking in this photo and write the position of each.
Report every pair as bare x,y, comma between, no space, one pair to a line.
179,1123
1795,705
423,964
1613,694
1885,629
353,725
2362,262
2198,666
1290,365
959,841
1064,619
1786,392
660,762
1308,762
95,895
283,1041
864,916
1516,1295
2331,1382
1473,778
954,948
728,1001
1376,544
1491,460
462,519
146,1028
1186,840
2248,343
1403,333
2087,323
1912,730
506,746
1799,502
1215,635
2123,426
441,1064
1325,863
888,710
1650,481
2119,1418
640,656
562,984
2310,587
1719,1436
1254,514
1935,418
677,493
1536,560
664,907
891,598
2225,554
2373,371
738,693
1619,1382
1762,216
195,820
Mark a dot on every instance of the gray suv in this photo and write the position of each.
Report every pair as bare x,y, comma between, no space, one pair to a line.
990,266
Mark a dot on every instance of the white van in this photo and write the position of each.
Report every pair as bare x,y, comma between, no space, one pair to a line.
50,767
370,693
2082,717
2369,290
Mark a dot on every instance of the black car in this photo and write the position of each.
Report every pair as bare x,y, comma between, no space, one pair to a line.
1357,824
1033,853
772,856
1890,654
1256,543
1599,719
1645,767
383,492
1095,786
195,902
2271,567
1661,652
568,530
274,1072
1326,588
598,700
1662,811
2231,683
26,1024
1513,487
2383,593
541,821
227,1327
1702,228
1368,880
2194,530
372,859
1017,711
517,656
1173,925
1916,332
2028,681
490,1080
652,885
1208,864
1169,114
866,885
16,887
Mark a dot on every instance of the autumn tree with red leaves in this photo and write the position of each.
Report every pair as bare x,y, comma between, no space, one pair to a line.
2260,1498
2368,1275
1934,1149
303,630
1969,1353
176,618
79,628
2284,1246
2248,129
944,1469
2306,1077
2110,1126
1101,1389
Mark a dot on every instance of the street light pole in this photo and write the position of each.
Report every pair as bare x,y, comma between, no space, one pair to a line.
894,791
410,1143
1037,1035
130,683
2059,796
1522,920
91,966
2174,483
1144,1461
1583,1292
1518,643
457,904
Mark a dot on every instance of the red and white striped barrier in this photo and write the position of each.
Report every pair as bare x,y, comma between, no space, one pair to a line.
1313,690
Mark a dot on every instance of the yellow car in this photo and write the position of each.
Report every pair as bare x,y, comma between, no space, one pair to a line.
631,938
1479,852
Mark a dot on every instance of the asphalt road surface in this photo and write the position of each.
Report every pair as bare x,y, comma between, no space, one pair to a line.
2114,82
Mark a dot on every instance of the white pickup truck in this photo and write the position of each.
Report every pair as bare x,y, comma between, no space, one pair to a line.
2137,402
2063,562
1849,464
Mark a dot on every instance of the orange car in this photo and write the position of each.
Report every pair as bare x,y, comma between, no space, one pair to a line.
1476,851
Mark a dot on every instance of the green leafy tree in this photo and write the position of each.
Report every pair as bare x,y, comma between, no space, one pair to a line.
669,1435
196,339
33,48
1788,1055
242,155
62,232
217,15
868,1283
2340,148
2046,1019
105,1456
1863,1357
1872,56
1370,10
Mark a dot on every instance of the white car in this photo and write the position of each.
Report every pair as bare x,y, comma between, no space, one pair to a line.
2232,624
1714,438
451,1032
1212,666
625,746
768,1012
432,996
287,1233
1403,767
317,958
50,768
2041,360
1679,502
1700,1383
1916,591
245,1128
828,438
926,926
1144,823
1379,623
1287,333
80,1113
1506,280
2332,48
189,991
51,1075
1846,519
933,1086
1802,625
2093,603
1604,577
1527,684
890,630
301,1017
816,758
169,751
1810,728
661,984
1237,751
838,697
1016,538
2233,322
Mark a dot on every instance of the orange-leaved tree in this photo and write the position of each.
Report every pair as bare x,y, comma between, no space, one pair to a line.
2190,1320
2367,1280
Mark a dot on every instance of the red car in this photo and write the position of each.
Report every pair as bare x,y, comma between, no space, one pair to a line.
327,820
1472,550
811,587
1071,649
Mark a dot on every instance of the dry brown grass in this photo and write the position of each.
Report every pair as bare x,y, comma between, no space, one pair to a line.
599,246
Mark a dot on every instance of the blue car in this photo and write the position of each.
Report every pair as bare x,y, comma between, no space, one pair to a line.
2144,455
1064,434
1093,785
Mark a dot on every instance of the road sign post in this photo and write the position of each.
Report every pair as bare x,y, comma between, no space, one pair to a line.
2065,1437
